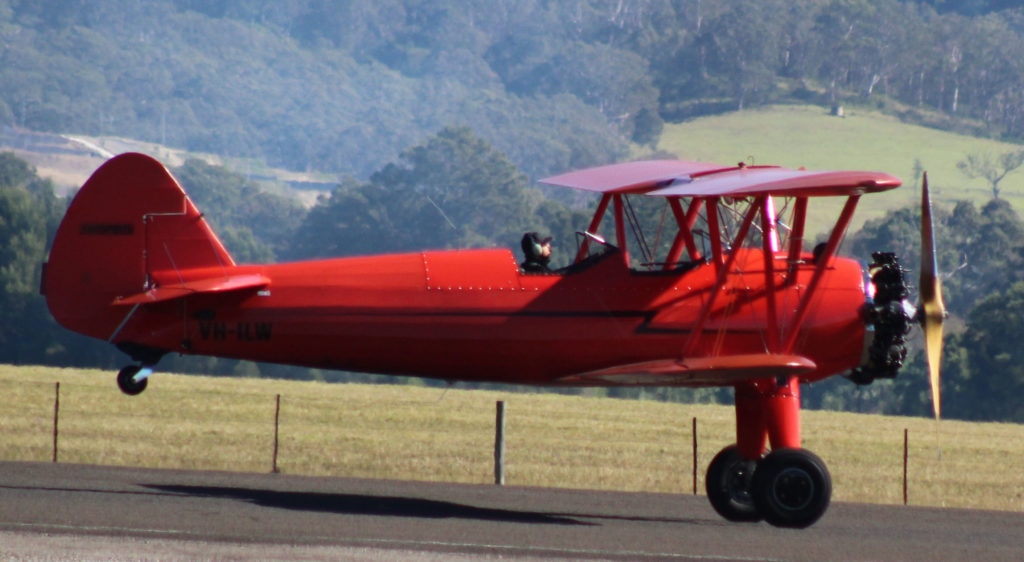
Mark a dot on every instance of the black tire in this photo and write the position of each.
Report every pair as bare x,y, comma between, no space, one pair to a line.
792,488
729,483
126,383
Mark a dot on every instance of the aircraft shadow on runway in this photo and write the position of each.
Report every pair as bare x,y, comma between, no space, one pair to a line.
356,504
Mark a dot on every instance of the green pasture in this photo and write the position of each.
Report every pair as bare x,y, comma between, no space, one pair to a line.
417,433
794,136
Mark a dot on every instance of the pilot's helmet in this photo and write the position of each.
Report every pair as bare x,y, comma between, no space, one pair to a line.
533,245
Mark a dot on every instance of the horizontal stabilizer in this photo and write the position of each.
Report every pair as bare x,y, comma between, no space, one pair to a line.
226,284
698,371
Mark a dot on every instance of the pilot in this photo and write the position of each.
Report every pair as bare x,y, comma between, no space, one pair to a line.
538,253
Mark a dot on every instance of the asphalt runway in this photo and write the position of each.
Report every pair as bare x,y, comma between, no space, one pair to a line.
63,511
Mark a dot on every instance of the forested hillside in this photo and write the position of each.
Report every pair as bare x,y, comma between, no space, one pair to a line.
344,86
438,115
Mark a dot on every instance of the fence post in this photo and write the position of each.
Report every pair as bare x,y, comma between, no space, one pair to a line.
499,444
277,418
695,455
906,442
56,417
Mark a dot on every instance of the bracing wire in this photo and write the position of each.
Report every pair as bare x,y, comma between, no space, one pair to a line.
638,233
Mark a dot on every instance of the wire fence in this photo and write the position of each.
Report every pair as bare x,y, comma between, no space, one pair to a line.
417,433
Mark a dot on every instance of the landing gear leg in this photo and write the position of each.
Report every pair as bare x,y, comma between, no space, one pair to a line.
132,380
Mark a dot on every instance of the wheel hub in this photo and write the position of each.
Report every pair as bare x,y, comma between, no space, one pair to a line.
793,488
738,484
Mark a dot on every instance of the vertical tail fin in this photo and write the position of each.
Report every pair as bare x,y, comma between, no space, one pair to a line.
129,227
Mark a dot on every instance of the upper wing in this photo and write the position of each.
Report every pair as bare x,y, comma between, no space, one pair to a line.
696,179
630,176
698,371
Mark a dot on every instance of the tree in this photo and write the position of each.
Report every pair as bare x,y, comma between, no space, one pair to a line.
14,172
454,190
744,45
253,224
995,357
992,169
466,192
356,219
29,213
993,252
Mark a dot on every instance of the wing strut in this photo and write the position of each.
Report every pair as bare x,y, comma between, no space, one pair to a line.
602,207
796,237
685,235
769,245
620,228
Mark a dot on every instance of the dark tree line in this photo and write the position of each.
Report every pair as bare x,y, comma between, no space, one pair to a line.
981,254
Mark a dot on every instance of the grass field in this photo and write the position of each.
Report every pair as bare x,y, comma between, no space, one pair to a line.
416,433
794,136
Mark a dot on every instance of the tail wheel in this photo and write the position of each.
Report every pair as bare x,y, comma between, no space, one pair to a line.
127,383
729,482
792,488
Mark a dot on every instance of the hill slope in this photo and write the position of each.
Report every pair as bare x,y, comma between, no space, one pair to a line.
808,136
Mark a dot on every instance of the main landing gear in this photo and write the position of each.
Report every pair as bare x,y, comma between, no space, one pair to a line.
788,487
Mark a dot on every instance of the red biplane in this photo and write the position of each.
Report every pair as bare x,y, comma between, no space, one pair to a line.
732,296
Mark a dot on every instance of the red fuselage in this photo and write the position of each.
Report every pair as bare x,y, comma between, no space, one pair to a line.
472,315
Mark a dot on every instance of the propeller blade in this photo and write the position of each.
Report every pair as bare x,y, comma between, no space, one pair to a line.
933,309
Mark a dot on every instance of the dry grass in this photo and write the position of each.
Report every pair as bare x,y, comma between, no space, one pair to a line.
418,433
